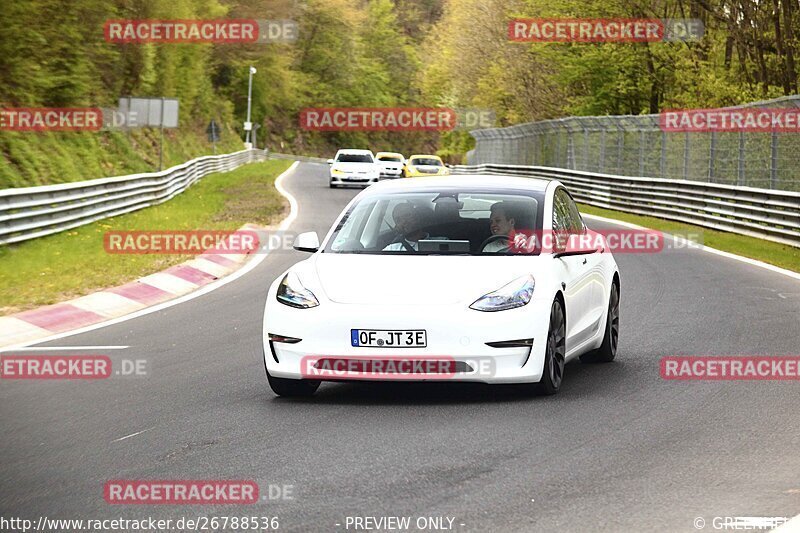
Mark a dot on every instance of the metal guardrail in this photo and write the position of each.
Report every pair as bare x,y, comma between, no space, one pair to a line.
31,212
290,157
763,213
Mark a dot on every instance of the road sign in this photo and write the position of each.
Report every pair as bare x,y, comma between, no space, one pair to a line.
157,112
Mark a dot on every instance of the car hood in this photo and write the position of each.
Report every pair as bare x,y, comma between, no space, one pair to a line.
354,167
414,280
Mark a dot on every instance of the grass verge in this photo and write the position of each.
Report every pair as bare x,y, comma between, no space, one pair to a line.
74,263
780,255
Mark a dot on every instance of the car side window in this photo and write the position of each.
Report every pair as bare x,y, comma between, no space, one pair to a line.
575,221
560,212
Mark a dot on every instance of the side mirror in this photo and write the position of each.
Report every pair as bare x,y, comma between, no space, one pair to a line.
330,161
307,242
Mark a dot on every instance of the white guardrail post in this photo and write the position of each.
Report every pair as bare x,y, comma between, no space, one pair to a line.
768,214
31,212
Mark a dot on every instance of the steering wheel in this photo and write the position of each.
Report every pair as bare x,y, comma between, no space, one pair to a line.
400,238
491,239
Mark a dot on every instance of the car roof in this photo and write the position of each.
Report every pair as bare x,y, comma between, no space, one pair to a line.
353,151
388,153
424,155
461,180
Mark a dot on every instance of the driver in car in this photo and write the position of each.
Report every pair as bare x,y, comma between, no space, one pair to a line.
408,224
502,224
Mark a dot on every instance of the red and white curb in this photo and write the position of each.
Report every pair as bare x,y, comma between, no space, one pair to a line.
118,301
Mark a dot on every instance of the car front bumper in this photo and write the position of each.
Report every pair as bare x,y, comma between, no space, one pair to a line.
455,334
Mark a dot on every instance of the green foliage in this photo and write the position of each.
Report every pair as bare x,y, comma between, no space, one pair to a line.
368,53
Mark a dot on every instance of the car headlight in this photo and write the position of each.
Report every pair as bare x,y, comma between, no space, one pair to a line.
336,171
292,293
509,296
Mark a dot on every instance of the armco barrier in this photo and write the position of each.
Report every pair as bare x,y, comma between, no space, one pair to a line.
764,213
307,159
30,212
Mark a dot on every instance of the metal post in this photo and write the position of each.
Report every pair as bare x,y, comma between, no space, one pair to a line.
161,142
249,100
740,173
602,149
641,152
686,155
557,158
773,166
712,157
585,147
663,165
620,145
570,149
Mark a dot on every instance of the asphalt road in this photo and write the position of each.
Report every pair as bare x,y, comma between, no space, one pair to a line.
618,449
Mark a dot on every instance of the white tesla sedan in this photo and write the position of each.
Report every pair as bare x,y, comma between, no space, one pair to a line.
444,279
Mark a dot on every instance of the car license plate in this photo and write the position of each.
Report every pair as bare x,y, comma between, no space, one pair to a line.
388,338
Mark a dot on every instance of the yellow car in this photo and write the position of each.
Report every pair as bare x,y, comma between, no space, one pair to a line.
425,165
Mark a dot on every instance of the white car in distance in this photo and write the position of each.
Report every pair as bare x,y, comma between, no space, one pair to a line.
391,164
353,167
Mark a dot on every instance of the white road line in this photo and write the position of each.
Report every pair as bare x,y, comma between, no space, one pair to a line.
133,434
63,348
704,248
253,263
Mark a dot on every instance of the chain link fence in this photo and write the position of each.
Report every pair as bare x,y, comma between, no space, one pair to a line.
635,145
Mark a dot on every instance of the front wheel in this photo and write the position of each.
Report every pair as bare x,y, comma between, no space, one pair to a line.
607,350
292,387
555,353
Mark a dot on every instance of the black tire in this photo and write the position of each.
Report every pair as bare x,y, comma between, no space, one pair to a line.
607,350
555,352
292,387
331,185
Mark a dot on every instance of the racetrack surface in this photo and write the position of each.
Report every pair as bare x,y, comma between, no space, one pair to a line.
618,449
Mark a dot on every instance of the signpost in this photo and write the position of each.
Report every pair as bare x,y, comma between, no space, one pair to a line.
213,134
156,112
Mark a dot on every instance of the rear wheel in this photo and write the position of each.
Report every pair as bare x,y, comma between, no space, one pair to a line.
292,387
555,352
607,350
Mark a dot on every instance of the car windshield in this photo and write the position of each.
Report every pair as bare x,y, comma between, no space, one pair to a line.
446,221
426,161
354,158
390,158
